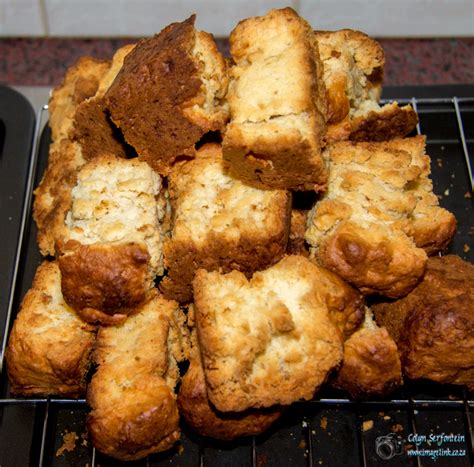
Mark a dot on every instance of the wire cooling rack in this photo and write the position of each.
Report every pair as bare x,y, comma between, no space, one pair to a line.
330,430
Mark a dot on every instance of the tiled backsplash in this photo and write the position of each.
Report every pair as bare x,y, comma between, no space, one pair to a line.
138,18
22,18
145,17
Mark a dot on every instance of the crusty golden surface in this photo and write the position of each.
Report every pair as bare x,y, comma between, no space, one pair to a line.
80,82
345,305
277,104
353,66
131,418
105,282
151,333
53,195
168,94
199,413
49,346
208,108
371,364
378,214
268,340
112,247
373,258
434,325
115,200
134,411
80,131
219,222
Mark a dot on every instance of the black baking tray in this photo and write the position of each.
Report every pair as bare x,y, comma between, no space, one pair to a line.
17,124
327,431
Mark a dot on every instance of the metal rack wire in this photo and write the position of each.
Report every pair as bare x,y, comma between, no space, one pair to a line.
409,403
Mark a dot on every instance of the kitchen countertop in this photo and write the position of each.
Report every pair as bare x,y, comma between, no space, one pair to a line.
42,62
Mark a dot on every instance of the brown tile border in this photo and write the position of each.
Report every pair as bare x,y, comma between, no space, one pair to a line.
42,62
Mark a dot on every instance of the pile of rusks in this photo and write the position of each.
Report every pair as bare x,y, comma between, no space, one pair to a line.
234,214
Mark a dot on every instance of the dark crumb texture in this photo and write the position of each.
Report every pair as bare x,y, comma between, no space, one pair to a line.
95,132
233,236
384,125
159,70
250,254
279,165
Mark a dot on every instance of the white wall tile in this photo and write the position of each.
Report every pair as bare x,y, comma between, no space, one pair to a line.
389,18
21,18
145,17
102,18
220,17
